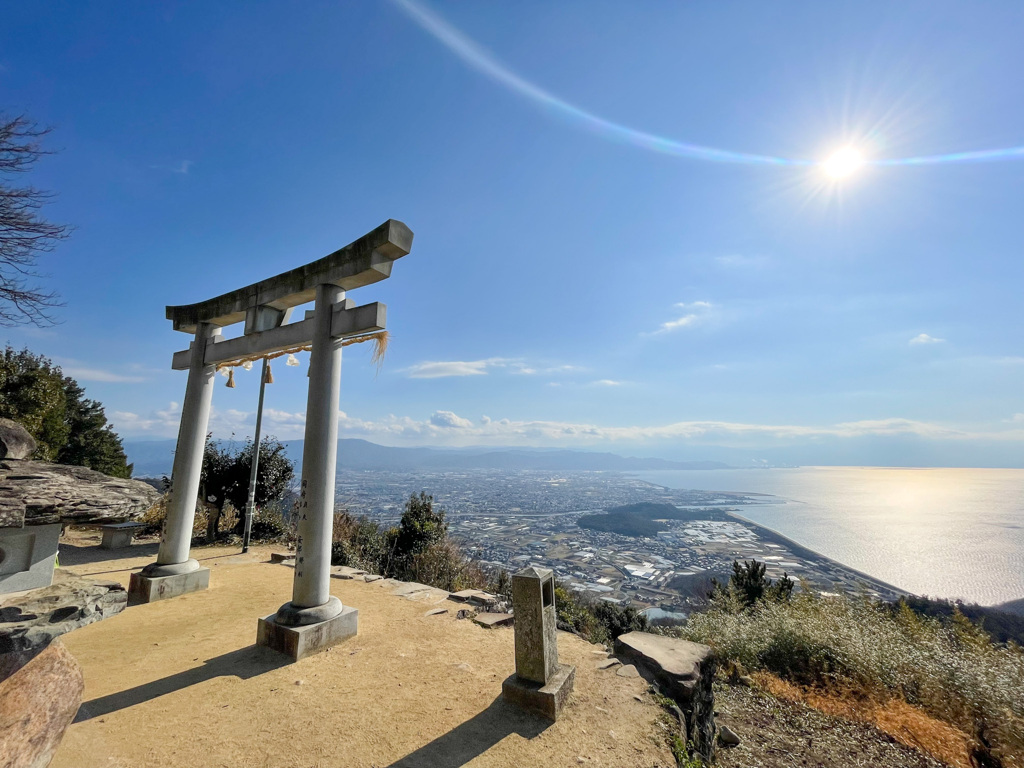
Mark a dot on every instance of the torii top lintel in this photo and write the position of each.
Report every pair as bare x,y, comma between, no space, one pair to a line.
365,261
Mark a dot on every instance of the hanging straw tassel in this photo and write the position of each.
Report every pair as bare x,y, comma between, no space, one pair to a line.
231,379
380,348
269,378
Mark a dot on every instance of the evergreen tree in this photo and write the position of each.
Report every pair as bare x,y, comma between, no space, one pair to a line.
68,427
225,478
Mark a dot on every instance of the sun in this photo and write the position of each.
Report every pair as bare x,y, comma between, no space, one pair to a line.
843,163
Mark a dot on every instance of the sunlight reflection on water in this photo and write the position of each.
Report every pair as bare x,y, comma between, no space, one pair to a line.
940,532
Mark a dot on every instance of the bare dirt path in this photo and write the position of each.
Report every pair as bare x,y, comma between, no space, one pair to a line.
179,683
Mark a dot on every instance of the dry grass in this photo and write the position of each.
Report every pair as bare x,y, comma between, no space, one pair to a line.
949,670
907,724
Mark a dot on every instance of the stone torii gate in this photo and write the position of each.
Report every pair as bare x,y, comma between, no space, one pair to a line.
313,619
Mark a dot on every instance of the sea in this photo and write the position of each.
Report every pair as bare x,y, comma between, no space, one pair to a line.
952,533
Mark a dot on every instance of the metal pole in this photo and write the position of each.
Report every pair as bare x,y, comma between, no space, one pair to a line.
251,501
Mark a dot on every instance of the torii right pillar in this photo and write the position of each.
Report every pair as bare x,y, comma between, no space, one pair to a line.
540,685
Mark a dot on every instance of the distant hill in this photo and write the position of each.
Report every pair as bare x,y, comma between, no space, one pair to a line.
154,458
643,519
1013,606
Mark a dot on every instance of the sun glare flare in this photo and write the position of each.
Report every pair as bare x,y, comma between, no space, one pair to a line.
843,163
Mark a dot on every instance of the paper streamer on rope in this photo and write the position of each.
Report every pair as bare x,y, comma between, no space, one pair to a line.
380,340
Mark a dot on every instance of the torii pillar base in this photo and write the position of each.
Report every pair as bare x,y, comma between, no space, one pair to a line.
308,639
143,588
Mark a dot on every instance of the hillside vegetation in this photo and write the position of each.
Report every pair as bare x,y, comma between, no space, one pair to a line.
645,518
950,669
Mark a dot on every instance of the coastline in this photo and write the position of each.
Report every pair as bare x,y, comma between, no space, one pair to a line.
799,550
809,554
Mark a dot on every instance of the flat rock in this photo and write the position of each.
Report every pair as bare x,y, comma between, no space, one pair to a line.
31,620
436,612
677,660
727,737
15,441
492,620
280,557
608,663
465,595
38,493
405,588
37,704
371,577
346,572
685,672
627,670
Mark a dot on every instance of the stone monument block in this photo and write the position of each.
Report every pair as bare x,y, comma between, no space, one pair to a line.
27,557
540,684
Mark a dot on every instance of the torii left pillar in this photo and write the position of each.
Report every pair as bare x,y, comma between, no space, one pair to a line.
313,619
174,572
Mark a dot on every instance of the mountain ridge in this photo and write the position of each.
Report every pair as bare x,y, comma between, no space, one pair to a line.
154,458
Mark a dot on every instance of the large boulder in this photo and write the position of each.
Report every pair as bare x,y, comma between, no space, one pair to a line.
38,493
37,704
685,672
40,682
15,441
31,620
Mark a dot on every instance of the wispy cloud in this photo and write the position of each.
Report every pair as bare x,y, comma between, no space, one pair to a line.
738,261
80,372
437,369
444,427
690,314
607,383
181,167
924,338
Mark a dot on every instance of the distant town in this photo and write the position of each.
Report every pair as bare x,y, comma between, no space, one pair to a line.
510,519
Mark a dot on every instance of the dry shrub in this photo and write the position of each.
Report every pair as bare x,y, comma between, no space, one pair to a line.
444,566
951,670
156,516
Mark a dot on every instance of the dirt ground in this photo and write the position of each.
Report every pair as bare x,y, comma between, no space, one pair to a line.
180,683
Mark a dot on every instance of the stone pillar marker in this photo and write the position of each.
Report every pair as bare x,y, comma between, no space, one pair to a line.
313,619
540,684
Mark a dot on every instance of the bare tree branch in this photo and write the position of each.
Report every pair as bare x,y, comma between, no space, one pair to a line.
24,235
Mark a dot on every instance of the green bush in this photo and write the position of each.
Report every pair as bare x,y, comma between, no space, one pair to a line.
417,550
595,620
950,669
269,526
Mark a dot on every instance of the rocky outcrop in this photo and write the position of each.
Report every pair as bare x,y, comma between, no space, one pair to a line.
38,493
40,682
28,622
15,441
684,671
37,704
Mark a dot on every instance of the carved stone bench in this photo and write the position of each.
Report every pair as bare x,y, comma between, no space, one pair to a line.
119,535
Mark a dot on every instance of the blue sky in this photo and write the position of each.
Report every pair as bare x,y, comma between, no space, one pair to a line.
573,281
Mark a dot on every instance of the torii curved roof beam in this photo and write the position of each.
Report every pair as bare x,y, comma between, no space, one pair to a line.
367,260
